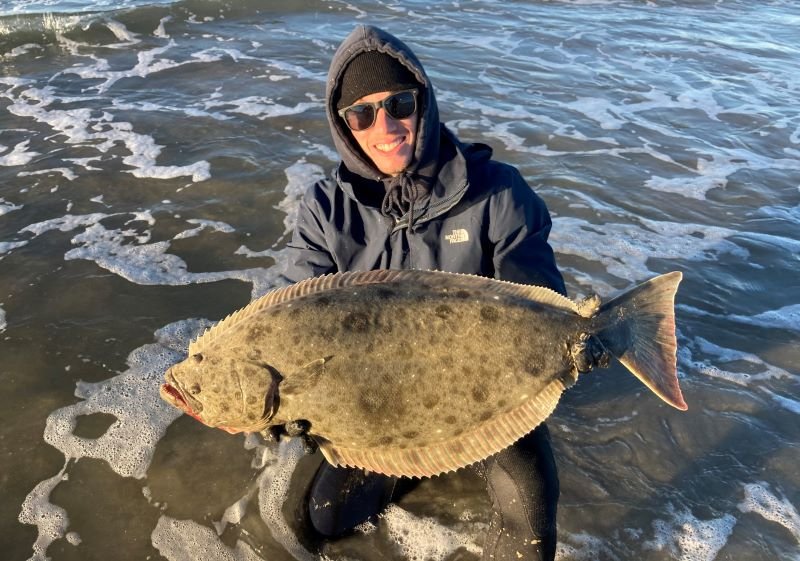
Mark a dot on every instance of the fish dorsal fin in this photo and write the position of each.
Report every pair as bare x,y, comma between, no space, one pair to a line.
361,278
286,294
488,438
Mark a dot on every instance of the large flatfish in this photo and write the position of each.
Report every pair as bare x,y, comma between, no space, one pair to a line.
415,373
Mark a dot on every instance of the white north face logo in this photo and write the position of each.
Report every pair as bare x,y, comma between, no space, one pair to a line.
457,236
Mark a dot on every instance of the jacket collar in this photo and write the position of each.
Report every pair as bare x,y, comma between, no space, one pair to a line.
451,181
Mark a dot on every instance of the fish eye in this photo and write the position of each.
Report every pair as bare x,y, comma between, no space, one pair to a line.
194,389
198,358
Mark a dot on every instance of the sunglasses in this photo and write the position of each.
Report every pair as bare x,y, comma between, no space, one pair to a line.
361,116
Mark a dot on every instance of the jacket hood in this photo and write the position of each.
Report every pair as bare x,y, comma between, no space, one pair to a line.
423,164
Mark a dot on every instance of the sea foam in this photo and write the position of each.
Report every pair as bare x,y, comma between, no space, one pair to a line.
6,207
690,539
758,499
17,156
626,248
51,520
102,133
426,539
186,540
129,442
130,254
745,368
132,397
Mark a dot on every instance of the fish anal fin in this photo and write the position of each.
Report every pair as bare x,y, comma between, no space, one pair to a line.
488,438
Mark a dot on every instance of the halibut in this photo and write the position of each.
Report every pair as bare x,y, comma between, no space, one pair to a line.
416,373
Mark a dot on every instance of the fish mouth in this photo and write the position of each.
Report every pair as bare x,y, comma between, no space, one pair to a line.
171,393
173,396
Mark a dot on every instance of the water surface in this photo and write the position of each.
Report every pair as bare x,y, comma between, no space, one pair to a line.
151,158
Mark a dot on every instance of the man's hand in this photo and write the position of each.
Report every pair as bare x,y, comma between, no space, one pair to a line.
589,353
292,429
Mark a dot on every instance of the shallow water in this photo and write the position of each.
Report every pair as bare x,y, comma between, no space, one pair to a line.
150,163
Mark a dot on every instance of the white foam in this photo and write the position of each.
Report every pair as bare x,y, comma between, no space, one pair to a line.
126,37
625,249
186,540
82,127
218,53
6,207
84,162
296,70
3,323
232,515
273,485
72,46
322,150
21,50
65,223
51,520
132,397
150,264
149,62
262,107
425,538
66,173
213,225
300,176
714,171
127,253
749,367
160,31
149,106
47,22
711,174
581,547
759,500
690,539
18,156
787,317
789,404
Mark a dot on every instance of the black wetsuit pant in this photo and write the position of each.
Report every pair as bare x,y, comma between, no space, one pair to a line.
522,482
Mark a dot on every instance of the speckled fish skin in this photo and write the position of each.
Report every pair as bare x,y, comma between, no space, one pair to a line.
402,372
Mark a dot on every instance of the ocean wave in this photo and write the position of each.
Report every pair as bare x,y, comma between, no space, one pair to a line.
41,23
31,30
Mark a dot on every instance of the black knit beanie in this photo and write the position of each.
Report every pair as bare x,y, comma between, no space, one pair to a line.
371,72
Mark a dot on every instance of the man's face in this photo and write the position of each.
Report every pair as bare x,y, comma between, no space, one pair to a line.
389,143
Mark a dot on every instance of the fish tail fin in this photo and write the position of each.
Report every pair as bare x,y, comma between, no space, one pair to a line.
638,328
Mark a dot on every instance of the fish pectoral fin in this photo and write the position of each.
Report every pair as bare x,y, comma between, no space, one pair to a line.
304,378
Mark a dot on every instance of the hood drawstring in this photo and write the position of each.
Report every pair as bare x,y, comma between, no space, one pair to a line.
401,195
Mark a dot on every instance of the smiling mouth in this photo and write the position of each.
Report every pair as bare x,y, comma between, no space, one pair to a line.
390,146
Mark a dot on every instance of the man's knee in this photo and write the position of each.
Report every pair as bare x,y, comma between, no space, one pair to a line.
523,484
342,498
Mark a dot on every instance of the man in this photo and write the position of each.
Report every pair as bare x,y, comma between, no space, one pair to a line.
408,194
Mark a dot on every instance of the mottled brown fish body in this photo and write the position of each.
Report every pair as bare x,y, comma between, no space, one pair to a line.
400,364
401,372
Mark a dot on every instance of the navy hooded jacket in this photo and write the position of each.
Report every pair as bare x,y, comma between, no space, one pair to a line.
479,216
